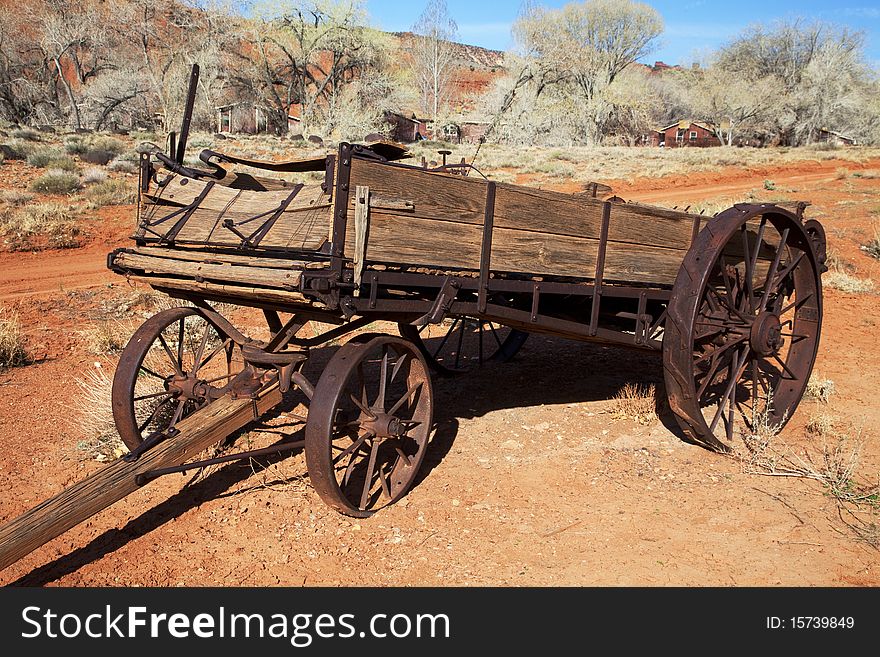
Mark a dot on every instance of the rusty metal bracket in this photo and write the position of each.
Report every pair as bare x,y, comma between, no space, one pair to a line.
442,304
322,285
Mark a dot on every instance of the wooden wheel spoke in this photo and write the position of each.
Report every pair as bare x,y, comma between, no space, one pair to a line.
383,481
360,403
750,268
720,350
789,268
151,372
180,336
153,395
399,363
785,368
736,373
796,304
153,414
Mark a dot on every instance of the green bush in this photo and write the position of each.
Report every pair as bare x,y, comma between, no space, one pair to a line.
56,181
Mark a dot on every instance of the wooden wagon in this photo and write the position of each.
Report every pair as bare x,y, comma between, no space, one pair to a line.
467,268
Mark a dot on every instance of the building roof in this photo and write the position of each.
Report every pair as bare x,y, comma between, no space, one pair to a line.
701,124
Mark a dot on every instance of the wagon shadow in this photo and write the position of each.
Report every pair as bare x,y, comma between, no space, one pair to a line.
546,371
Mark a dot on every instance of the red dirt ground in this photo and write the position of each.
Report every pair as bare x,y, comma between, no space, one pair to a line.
529,482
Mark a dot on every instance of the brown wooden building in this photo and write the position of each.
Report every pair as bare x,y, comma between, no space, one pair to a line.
685,133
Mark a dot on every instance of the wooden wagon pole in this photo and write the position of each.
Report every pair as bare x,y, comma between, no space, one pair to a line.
117,480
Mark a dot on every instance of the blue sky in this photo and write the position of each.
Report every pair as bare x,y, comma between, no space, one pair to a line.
691,26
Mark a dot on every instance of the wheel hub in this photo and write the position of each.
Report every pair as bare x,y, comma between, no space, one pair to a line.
187,387
765,335
385,426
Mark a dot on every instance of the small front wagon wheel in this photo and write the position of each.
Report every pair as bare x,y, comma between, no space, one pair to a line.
369,423
174,364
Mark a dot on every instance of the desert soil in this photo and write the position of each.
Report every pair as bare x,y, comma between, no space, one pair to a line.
530,479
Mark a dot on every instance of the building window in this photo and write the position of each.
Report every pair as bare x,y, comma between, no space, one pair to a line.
693,135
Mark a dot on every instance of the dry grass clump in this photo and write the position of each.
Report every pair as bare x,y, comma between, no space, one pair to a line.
50,158
819,388
831,456
56,181
111,192
15,197
12,349
107,337
93,414
58,224
122,166
637,402
840,280
94,175
872,248
25,134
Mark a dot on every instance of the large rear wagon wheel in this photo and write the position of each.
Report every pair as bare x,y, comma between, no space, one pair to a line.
174,364
369,422
742,326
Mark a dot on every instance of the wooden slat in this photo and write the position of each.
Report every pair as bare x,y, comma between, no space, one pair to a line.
241,294
182,191
263,276
195,255
446,244
305,230
440,196
116,480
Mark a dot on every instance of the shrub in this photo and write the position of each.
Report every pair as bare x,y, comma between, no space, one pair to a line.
94,175
55,181
40,157
96,156
872,248
111,192
57,223
76,145
636,402
25,134
93,415
769,184
12,350
16,197
123,166
838,280
819,388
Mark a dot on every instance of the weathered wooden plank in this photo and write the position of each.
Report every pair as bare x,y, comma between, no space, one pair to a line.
439,196
280,278
242,294
180,190
446,244
196,255
361,229
305,230
117,479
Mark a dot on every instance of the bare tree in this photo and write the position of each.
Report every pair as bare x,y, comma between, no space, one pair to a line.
432,53
585,46
814,70
303,53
